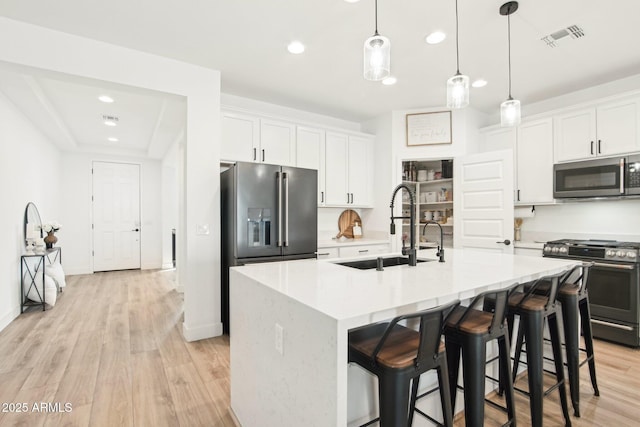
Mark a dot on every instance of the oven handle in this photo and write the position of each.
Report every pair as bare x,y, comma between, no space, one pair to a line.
618,266
613,325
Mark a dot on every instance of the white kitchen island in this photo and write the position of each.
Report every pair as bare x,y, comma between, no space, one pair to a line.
302,378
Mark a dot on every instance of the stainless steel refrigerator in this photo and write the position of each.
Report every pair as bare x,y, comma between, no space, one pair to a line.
269,213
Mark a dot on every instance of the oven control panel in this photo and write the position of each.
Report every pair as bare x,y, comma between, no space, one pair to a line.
564,250
622,254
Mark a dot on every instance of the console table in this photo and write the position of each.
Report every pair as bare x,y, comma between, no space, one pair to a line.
29,270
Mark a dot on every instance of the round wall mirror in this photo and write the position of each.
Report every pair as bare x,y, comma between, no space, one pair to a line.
32,222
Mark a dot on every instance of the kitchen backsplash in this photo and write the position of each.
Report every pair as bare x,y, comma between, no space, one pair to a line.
601,219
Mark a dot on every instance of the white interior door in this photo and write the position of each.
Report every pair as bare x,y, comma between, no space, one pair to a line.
116,216
484,201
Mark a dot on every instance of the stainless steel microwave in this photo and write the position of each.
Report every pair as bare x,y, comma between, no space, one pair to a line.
616,176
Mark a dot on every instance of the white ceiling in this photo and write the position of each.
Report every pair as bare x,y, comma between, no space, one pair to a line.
67,110
246,40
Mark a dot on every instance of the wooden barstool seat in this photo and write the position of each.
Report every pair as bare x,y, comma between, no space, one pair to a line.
467,332
398,355
535,306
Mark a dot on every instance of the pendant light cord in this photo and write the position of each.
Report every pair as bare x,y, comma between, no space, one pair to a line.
509,39
457,47
376,33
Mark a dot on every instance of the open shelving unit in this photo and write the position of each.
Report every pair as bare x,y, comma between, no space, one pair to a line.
434,200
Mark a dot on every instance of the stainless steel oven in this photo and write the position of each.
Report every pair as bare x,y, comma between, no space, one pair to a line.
618,176
614,282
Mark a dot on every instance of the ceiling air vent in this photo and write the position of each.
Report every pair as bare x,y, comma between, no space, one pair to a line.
574,31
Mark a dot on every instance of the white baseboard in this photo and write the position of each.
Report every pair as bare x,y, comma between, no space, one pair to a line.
9,317
201,332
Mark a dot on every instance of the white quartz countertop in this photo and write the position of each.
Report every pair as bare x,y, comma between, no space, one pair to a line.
339,243
344,293
532,244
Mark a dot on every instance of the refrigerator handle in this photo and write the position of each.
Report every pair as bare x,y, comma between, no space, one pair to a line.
279,183
286,208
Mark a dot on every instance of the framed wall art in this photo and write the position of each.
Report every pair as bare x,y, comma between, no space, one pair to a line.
429,128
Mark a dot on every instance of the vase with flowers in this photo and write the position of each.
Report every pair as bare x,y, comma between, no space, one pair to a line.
50,228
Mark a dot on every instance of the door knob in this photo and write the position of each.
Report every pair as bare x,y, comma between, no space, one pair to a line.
505,242
136,229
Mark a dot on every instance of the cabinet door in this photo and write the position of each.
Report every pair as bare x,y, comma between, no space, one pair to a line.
497,138
359,167
240,137
336,165
534,162
618,127
575,135
277,143
310,155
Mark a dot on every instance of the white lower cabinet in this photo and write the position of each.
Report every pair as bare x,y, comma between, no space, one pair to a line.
326,253
352,251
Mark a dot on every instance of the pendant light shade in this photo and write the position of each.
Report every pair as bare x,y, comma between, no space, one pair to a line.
377,58
510,112
458,85
377,55
509,109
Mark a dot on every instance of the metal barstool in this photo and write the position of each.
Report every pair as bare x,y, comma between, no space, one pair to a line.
534,308
398,355
469,330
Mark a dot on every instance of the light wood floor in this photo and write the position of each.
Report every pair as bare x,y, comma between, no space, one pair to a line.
112,348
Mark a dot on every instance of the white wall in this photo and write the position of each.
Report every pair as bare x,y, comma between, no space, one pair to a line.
29,172
602,219
77,212
285,113
52,50
392,150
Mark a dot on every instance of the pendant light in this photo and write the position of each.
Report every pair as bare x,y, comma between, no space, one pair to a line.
458,85
377,55
509,109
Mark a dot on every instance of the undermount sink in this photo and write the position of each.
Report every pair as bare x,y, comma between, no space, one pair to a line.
368,264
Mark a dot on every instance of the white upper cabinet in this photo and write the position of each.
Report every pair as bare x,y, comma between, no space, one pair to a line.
240,137
249,138
532,145
360,178
348,178
534,162
277,143
310,154
337,146
604,130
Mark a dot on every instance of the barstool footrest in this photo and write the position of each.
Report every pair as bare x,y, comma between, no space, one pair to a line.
436,422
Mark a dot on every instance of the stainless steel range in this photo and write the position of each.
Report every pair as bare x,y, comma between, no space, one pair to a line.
614,283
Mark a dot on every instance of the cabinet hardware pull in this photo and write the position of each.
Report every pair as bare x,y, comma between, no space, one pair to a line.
518,195
322,197
254,155
591,147
599,151
347,198
351,198
263,154
323,253
362,251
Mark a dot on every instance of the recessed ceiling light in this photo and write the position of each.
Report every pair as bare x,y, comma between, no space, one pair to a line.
110,123
295,47
479,83
389,81
105,98
435,37
112,139
352,1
